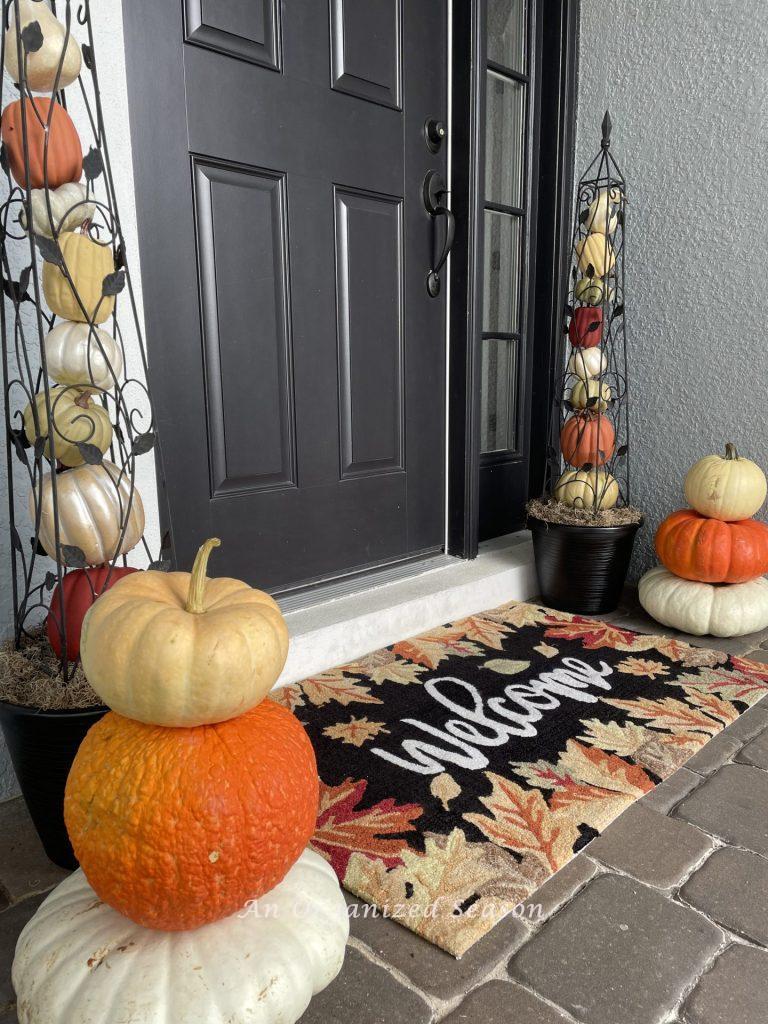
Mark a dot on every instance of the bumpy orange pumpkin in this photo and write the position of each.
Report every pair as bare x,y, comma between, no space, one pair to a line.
63,161
711,551
176,828
586,438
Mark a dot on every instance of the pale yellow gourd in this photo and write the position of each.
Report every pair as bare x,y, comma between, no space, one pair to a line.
177,649
587,362
591,290
93,504
69,209
726,487
591,391
76,418
88,263
597,252
590,489
602,215
86,356
43,64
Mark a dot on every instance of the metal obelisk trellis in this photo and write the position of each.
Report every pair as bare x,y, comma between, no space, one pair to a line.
589,424
77,410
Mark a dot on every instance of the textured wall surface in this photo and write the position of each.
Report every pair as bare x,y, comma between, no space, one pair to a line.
687,87
108,31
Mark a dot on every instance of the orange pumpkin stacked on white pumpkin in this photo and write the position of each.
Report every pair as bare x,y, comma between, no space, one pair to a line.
714,554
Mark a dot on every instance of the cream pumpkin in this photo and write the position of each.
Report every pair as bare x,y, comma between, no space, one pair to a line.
726,487
704,608
175,649
78,961
597,252
586,363
602,214
93,502
69,209
591,394
592,291
76,418
43,64
84,356
590,489
88,263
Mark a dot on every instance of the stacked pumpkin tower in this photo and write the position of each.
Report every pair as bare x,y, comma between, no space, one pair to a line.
714,554
190,800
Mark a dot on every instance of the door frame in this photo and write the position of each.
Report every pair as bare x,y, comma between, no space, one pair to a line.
551,176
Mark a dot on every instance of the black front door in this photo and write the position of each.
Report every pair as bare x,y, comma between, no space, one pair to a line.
297,359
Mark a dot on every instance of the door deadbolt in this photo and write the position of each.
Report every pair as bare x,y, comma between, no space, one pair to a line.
434,133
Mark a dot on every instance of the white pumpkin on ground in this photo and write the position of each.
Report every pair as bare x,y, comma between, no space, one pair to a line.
586,363
704,608
587,488
93,504
726,487
69,209
43,64
78,354
80,962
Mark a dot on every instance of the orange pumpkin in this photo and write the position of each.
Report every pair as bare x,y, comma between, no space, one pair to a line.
64,158
586,438
711,551
176,828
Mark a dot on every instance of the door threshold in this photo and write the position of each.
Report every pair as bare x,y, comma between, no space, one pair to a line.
352,618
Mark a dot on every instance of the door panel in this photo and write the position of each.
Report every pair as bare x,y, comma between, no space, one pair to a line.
297,360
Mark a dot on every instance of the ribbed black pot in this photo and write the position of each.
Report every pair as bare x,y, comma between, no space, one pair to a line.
582,569
42,745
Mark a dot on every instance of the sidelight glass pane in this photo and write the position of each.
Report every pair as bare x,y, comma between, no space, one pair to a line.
506,33
504,112
498,401
501,291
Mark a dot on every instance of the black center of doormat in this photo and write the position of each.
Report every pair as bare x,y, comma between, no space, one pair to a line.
460,769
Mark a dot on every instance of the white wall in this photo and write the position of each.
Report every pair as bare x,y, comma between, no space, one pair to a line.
110,57
686,82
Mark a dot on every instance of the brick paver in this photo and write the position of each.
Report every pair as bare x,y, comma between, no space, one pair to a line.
731,888
505,1002
732,805
735,991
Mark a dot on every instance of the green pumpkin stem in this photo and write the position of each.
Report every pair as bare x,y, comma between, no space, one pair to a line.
730,452
196,596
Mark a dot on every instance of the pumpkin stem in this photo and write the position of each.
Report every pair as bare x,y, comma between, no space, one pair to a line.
730,452
196,597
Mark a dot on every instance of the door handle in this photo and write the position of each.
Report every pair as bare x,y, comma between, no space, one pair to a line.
435,193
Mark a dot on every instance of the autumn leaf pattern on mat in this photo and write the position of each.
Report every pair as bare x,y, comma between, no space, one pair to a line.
460,769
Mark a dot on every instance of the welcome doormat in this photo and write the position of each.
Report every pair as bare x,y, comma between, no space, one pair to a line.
462,768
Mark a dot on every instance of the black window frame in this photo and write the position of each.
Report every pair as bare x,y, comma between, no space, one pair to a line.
487,492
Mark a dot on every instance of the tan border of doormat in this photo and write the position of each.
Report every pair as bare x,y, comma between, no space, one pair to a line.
462,768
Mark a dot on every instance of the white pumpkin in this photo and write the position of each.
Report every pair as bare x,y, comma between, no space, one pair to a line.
92,505
82,355
70,208
76,418
43,64
703,608
587,488
726,487
80,962
586,363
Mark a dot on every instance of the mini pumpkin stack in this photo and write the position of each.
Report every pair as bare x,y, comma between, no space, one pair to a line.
193,797
714,554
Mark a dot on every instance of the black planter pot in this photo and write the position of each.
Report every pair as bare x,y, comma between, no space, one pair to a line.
582,569
42,745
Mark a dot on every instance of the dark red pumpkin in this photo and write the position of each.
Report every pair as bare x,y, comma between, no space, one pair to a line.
79,590
587,438
586,327
711,551
65,154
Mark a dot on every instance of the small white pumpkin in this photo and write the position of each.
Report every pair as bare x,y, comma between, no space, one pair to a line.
76,418
586,363
87,357
70,208
705,608
726,487
80,962
591,391
92,505
603,212
43,64
587,488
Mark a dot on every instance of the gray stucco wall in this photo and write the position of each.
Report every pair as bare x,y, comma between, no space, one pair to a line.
686,82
